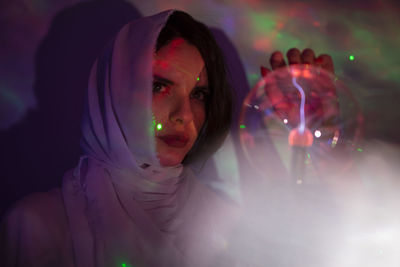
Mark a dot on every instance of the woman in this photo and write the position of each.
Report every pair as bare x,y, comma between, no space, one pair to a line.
157,100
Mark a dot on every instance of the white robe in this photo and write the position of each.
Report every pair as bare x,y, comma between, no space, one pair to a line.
36,232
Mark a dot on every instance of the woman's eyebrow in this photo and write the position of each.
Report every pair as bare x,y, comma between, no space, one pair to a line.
204,88
163,80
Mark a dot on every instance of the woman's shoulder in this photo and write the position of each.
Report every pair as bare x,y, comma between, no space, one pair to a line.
38,213
40,206
35,228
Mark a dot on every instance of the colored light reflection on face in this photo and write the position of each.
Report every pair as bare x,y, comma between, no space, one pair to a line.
178,104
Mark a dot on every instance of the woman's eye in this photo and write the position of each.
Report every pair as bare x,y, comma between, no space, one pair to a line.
159,87
200,95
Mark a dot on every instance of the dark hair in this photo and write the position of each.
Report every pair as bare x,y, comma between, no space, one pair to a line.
219,103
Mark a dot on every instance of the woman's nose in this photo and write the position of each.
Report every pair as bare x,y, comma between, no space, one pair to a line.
182,111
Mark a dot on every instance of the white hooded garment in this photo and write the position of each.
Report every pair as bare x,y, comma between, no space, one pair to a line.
119,207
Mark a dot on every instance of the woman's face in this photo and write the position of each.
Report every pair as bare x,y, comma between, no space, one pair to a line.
180,89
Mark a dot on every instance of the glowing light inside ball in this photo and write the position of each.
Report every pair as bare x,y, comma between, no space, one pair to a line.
295,72
159,126
317,133
302,103
300,139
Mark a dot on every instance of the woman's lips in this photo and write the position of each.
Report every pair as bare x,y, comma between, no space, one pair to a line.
173,140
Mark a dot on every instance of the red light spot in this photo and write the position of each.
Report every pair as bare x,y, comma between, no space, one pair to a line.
307,74
162,64
177,42
262,44
280,25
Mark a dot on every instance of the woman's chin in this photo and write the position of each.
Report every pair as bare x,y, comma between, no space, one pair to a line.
171,156
170,160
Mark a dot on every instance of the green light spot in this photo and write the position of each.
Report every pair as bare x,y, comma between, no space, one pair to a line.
253,78
308,155
263,23
351,57
159,126
242,126
359,150
198,78
123,265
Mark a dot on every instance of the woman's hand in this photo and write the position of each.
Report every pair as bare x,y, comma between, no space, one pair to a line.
321,107
294,56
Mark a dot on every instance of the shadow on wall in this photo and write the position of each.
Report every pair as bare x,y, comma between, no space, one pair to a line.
36,152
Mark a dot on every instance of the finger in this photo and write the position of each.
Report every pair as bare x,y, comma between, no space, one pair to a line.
293,56
325,62
264,71
277,60
308,56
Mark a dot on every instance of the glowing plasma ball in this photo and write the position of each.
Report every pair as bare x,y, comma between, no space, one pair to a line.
300,115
